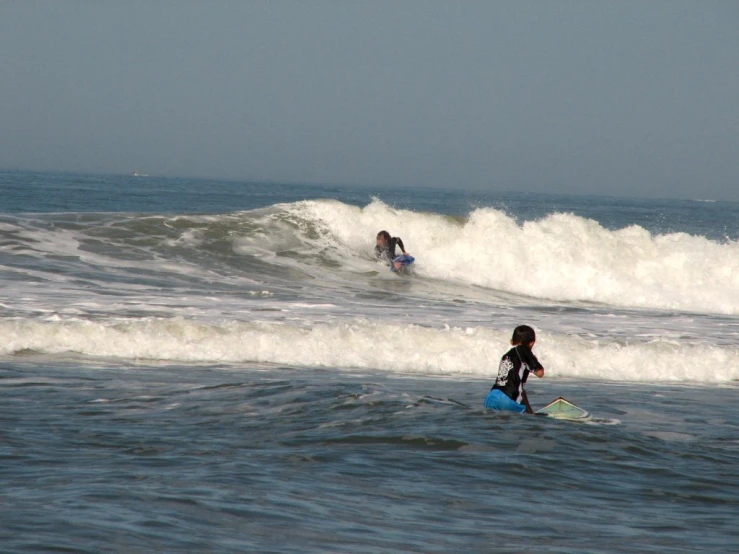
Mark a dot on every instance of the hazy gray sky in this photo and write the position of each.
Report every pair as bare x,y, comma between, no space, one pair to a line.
622,97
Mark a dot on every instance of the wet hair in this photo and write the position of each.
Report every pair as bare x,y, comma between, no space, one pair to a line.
385,235
523,334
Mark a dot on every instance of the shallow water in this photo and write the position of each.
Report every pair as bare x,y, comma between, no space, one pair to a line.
121,458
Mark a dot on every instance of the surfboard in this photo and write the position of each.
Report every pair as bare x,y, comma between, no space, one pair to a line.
404,259
561,408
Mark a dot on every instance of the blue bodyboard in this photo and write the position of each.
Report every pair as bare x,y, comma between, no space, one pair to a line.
405,259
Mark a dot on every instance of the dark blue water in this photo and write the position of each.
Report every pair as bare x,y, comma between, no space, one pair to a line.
122,458
63,192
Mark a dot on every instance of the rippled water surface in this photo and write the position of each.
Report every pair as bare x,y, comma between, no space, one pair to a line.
123,458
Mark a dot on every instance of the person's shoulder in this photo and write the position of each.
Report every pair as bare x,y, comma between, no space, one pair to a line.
529,355
509,353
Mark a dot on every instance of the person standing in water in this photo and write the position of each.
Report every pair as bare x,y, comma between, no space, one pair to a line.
508,392
385,249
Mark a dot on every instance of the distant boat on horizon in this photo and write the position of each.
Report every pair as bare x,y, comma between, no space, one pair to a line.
138,174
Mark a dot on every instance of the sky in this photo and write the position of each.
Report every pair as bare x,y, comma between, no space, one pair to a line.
625,98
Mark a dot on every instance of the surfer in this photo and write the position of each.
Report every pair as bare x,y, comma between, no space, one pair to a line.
385,251
508,391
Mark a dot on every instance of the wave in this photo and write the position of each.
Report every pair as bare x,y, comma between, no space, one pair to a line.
561,257
362,344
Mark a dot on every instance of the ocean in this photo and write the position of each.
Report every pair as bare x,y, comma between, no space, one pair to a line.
193,365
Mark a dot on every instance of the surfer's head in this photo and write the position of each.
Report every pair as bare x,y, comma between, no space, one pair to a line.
383,237
523,334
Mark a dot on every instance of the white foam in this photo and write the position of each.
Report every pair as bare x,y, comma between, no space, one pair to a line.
562,257
472,351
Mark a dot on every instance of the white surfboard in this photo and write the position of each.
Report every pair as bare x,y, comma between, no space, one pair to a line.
562,408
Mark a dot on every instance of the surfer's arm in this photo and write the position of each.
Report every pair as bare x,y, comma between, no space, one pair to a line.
399,242
533,363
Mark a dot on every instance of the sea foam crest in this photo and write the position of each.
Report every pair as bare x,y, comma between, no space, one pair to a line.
561,257
361,344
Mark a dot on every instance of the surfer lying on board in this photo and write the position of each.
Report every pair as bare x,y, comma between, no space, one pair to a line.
385,250
508,391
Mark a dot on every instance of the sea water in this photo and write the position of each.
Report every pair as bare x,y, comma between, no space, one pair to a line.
194,365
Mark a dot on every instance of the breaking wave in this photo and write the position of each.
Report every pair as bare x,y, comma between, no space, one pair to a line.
472,351
561,257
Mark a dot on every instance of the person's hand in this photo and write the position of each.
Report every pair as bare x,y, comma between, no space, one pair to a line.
539,372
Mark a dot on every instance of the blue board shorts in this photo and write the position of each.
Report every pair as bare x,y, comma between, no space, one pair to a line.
498,400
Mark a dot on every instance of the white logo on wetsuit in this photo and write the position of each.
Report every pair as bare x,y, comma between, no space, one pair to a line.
506,365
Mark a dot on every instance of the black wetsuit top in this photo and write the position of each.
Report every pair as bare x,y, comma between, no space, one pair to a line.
387,251
514,369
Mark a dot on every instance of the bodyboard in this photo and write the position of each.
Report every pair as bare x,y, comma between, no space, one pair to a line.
562,408
405,259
